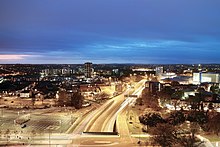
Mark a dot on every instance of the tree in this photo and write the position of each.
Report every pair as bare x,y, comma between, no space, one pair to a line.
42,99
214,89
149,100
33,100
176,118
175,83
103,95
139,101
196,101
164,135
210,106
33,133
7,135
77,100
176,97
165,93
151,119
213,124
189,140
199,117
201,89
199,98
192,102
167,135
70,99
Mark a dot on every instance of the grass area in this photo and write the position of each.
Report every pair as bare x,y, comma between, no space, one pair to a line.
134,126
143,139
108,90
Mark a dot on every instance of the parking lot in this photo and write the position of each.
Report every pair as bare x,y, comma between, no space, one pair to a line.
38,123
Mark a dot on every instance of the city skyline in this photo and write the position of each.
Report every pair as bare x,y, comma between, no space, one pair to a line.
124,31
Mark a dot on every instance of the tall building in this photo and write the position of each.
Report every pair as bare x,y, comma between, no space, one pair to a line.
88,69
159,71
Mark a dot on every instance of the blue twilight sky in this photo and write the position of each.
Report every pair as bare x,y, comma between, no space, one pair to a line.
110,31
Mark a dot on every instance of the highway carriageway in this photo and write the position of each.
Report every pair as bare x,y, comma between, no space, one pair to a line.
98,134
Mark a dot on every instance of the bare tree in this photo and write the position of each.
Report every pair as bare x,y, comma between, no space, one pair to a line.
189,139
164,135
33,133
213,124
7,135
77,100
103,95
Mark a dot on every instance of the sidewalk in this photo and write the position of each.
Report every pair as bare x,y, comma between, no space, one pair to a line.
206,142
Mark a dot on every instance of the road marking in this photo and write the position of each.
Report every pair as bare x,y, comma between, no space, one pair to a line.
140,135
102,142
111,144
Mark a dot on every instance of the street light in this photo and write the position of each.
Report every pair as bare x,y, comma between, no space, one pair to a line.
49,137
71,119
2,112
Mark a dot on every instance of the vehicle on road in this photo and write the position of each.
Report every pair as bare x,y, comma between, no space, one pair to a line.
23,126
23,119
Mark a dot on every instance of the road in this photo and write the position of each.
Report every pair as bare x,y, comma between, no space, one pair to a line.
103,120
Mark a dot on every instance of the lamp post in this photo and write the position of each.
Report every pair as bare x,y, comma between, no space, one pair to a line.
2,112
49,138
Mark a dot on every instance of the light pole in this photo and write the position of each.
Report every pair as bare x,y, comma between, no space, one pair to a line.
71,119
49,137
139,131
2,112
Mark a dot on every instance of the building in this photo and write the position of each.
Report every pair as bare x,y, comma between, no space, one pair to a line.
153,87
119,87
51,72
200,77
168,75
88,91
180,79
26,94
115,72
88,69
66,71
46,72
159,71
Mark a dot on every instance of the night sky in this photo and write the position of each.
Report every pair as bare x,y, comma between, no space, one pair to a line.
109,31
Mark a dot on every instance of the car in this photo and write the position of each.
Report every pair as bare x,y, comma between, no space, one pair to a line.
23,126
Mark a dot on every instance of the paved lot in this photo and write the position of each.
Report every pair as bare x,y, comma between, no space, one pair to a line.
39,123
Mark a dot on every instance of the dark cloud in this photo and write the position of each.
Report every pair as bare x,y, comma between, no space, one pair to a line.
145,31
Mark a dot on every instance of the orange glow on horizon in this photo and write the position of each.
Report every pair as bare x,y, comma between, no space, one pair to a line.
13,57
